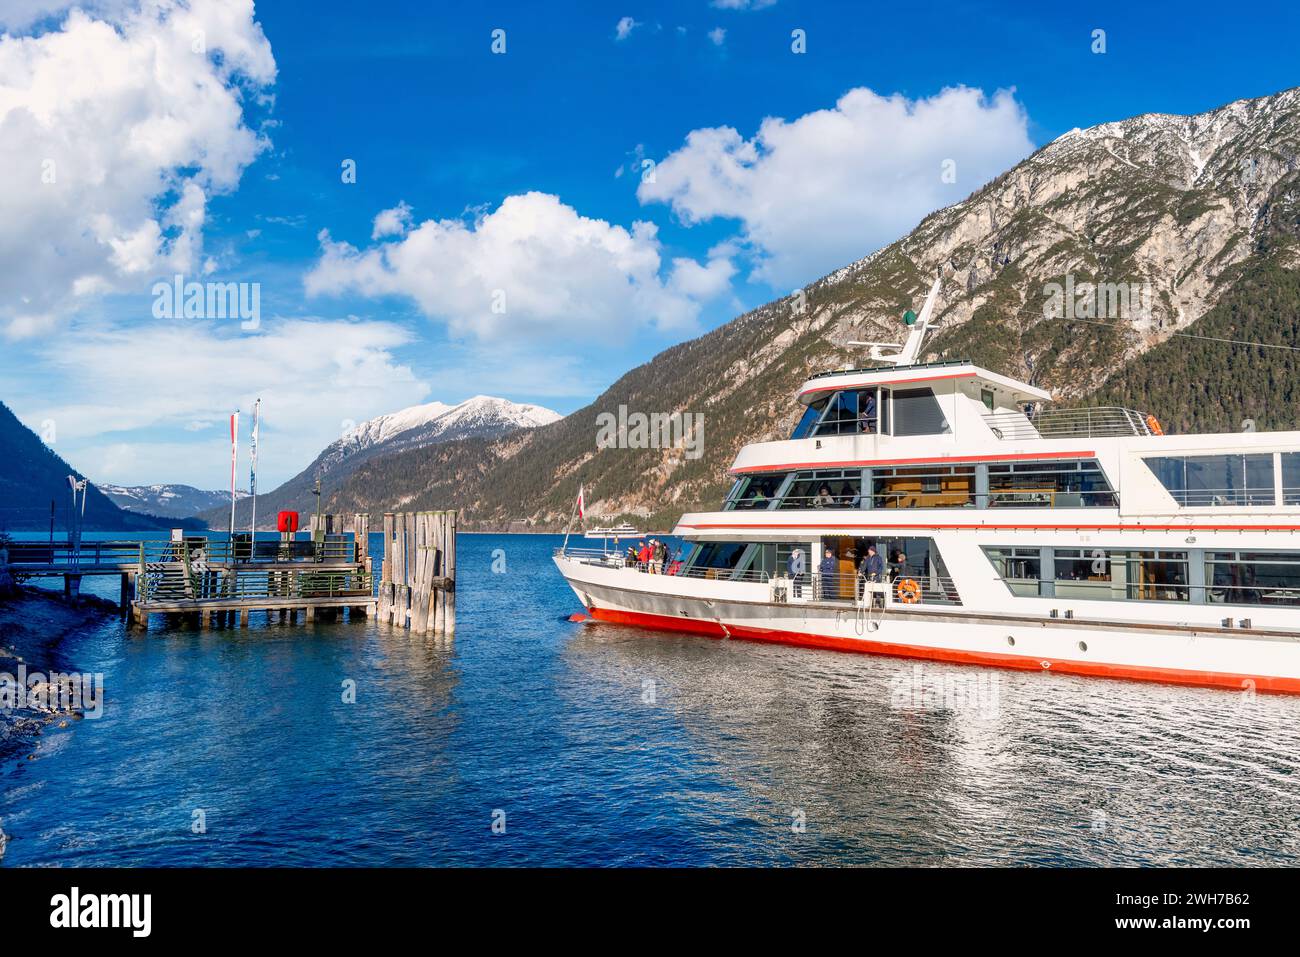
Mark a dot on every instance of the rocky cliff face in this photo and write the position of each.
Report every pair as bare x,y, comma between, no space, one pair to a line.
1065,271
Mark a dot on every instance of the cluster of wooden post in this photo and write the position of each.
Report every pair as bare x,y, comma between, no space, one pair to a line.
417,586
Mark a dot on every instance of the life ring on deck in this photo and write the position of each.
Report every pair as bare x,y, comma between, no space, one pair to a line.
909,592
1154,425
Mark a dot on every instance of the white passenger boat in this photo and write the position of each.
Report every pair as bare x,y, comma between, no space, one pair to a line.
1077,541
614,531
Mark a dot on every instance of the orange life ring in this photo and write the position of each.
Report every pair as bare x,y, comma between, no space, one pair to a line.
909,592
1154,425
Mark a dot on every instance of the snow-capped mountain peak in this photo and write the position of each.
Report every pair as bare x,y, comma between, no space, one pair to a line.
482,415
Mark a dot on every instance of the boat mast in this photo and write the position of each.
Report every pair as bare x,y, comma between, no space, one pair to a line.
918,328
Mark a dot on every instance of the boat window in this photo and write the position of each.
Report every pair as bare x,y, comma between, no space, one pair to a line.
1216,480
755,491
810,417
1157,576
718,556
1252,578
771,558
917,412
1094,574
1020,568
1064,484
1291,478
824,488
933,486
841,416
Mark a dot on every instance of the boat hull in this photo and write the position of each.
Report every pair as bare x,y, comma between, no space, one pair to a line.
1266,662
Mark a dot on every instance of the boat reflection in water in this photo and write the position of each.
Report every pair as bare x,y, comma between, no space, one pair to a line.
899,763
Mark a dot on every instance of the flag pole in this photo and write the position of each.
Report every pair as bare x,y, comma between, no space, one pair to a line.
252,477
234,457
567,528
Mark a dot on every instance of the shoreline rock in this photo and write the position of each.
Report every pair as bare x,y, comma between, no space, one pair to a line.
33,623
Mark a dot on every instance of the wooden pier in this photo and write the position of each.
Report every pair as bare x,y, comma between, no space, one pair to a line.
207,582
211,583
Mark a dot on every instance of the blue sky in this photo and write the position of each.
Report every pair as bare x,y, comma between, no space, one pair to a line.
514,175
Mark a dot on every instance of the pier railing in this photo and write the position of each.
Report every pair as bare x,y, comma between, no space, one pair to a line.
127,556
176,582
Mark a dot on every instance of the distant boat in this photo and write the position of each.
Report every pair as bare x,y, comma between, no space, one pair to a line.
614,531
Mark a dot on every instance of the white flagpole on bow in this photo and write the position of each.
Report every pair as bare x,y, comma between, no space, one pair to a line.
577,507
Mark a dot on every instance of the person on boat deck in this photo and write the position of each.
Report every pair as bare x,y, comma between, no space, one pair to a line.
643,555
660,557
828,568
867,418
900,564
759,498
794,566
823,498
630,557
873,568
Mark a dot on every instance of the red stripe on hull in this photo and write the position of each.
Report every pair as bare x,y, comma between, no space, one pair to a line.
1208,679
957,527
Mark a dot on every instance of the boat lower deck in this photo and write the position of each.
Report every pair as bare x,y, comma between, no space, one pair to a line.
1265,660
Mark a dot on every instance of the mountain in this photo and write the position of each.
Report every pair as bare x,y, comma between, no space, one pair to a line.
1198,215
411,429
167,501
32,476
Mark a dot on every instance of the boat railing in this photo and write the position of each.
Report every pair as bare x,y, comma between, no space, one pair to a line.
846,587
1098,422
837,586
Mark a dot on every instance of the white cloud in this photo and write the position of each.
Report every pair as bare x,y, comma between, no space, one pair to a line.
20,14
717,36
623,29
392,222
114,134
829,187
135,400
533,266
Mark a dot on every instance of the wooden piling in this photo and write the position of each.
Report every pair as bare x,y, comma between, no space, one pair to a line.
439,559
450,614
386,571
417,572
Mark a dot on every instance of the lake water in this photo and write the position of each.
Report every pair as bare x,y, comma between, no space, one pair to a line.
606,745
